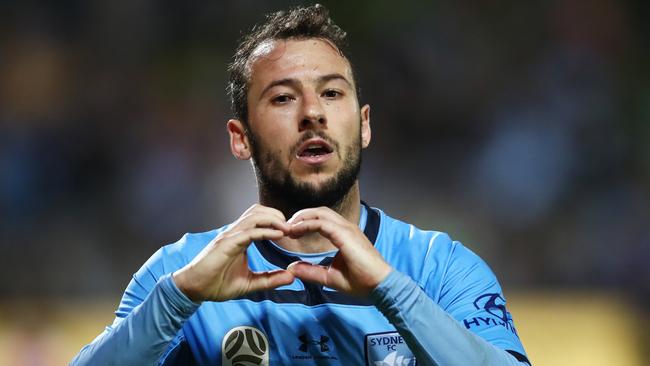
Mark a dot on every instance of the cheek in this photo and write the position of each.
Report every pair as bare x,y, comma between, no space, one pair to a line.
348,140
274,150
281,115
277,127
267,110
343,110
273,122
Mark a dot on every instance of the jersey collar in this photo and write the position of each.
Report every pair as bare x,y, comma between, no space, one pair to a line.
282,260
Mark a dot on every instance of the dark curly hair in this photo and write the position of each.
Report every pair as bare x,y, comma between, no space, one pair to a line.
297,23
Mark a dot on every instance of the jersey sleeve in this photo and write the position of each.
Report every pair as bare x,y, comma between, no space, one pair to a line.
471,293
147,327
433,335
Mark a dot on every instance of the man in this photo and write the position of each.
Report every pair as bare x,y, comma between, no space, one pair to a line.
310,275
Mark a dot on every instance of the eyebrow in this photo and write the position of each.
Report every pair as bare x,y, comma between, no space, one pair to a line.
294,82
335,76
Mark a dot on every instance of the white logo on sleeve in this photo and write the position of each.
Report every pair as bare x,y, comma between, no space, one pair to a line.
245,346
393,359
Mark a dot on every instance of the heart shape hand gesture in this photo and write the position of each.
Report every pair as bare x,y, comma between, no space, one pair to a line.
220,271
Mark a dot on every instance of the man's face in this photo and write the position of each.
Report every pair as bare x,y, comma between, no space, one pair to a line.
306,129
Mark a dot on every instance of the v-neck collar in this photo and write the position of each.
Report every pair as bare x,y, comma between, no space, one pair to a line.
281,259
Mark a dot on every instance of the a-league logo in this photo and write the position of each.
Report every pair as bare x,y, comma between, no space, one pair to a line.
245,346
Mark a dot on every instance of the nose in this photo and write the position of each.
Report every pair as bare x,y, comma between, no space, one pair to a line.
313,114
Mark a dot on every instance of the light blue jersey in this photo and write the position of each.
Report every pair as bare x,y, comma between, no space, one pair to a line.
434,280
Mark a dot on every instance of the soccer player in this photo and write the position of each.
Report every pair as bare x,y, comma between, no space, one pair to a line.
311,275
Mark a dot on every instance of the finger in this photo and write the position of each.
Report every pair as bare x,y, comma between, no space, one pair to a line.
260,281
258,208
263,219
239,241
317,213
333,232
309,272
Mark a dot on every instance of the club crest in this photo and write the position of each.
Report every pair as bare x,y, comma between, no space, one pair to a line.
388,349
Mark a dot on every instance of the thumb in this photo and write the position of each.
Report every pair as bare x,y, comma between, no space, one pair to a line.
260,281
309,272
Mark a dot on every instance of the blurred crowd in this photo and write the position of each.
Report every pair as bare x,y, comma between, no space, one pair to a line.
521,128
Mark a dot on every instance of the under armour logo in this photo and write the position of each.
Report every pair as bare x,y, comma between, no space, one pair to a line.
306,342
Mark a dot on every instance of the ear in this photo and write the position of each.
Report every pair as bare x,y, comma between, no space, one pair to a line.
365,126
239,145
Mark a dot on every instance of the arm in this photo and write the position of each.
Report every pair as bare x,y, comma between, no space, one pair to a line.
142,337
157,303
433,335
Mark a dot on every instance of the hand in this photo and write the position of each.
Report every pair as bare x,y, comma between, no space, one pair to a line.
356,269
220,271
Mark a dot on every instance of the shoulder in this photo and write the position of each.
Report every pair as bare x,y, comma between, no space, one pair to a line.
412,250
432,258
176,255
189,245
165,260
397,232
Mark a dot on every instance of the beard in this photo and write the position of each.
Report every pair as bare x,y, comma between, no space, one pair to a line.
278,185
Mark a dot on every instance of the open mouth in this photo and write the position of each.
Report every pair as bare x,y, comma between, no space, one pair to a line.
314,150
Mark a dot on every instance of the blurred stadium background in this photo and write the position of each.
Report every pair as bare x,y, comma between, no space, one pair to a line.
520,127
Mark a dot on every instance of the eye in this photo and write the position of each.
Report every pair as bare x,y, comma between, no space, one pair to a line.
332,94
281,99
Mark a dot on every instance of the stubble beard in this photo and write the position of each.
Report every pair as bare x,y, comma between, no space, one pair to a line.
278,187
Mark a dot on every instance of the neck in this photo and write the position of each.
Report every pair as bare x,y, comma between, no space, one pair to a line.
348,207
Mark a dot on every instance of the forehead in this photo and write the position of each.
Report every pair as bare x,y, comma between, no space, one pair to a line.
301,59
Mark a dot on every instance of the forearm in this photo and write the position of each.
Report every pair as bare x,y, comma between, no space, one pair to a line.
434,336
143,336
